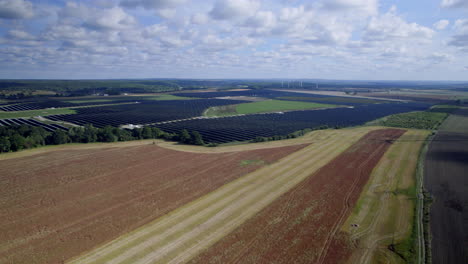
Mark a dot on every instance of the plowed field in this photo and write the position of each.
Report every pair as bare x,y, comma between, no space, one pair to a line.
302,226
58,204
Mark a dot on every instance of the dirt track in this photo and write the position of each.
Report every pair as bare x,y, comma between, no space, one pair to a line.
302,226
446,171
58,204
385,214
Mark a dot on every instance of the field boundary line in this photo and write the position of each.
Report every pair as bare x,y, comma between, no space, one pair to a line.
220,192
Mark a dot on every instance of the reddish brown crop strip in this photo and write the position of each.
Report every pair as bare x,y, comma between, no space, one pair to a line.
302,226
57,205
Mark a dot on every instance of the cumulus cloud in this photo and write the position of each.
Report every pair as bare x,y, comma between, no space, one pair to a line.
441,24
235,38
16,9
460,39
231,9
199,19
454,3
365,6
20,34
152,4
391,26
111,19
263,19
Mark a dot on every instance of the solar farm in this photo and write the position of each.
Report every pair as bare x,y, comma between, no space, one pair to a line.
186,112
275,175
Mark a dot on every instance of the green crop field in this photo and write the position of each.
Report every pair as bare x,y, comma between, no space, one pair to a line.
167,97
263,107
89,101
335,99
41,112
277,105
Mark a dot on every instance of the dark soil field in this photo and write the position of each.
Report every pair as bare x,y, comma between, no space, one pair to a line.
446,178
302,226
56,205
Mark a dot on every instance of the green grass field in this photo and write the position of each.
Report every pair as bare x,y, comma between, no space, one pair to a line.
263,107
167,97
42,112
335,99
89,101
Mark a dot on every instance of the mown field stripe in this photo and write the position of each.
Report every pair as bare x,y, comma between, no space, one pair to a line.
376,199
100,255
243,184
245,207
199,243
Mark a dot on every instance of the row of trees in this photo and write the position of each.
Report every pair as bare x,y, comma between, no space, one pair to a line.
26,137
295,134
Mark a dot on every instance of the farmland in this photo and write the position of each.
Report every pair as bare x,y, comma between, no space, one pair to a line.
333,191
445,179
42,112
385,212
62,203
302,226
191,232
267,106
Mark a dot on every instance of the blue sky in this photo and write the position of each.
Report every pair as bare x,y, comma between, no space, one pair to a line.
328,39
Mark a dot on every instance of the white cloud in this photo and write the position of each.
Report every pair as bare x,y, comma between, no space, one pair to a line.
369,7
16,9
235,38
441,24
199,19
19,34
263,19
231,9
454,3
391,26
111,19
460,39
152,4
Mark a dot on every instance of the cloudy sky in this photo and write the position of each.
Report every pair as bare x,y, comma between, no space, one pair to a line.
328,39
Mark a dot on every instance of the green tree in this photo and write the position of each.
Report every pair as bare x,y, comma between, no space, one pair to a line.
89,134
124,135
157,133
5,145
147,132
137,133
106,134
17,142
197,138
185,137
60,137
77,134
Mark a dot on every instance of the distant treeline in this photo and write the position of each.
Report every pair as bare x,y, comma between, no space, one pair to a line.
113,87
17,138
296,134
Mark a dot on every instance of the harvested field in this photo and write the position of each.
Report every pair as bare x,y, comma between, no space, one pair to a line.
61,203
446,179
384,212
184,233
302,226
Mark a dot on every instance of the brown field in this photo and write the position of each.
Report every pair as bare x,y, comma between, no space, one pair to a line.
59,203
303,225
183,233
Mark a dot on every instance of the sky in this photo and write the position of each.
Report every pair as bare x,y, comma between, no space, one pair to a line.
235,39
